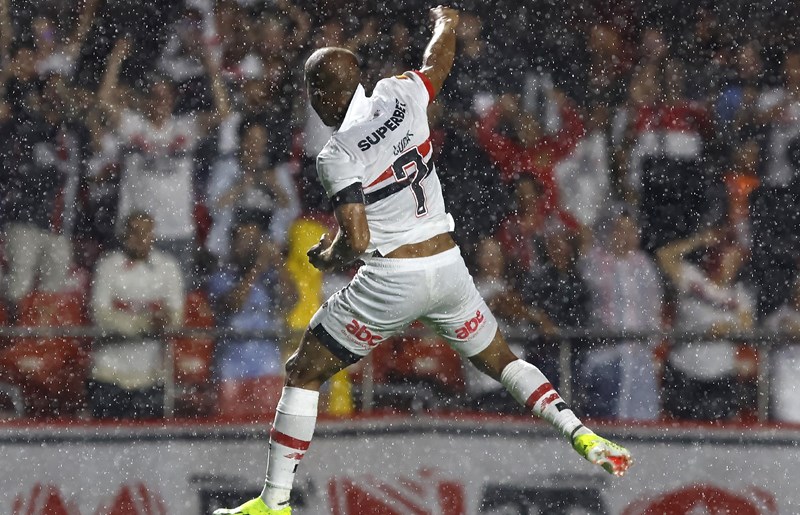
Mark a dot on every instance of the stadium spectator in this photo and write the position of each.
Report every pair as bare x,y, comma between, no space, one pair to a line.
701,377
262,102
672,131
250,292
653,49
620,379
781,108
467,174
740,182
705,55
156,149
248,185
666,172
54,50
609,62
785,360
471,84
521,232
584,177
634,132
739,90
558,289
517,143
43,167
138,294
182,55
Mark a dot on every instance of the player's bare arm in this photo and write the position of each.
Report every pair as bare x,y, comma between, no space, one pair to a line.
350,241
440,52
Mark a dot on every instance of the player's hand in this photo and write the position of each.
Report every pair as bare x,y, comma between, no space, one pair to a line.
442,14
317,255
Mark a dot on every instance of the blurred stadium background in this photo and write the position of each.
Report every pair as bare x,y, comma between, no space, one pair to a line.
625,179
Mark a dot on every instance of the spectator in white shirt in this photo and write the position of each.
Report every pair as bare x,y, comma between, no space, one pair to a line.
157,149
780,108
583,178
138,292
626,296
785,359
248,186
701,377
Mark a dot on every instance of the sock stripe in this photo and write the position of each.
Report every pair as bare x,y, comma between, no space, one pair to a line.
538,394
572,434
288,441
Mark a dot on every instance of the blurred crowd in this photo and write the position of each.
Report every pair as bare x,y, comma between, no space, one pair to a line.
624,169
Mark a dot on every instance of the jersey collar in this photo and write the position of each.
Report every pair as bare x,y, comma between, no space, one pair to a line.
357,110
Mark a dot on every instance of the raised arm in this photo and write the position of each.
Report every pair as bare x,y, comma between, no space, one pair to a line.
671,256
85,20
222,105
108,87
6,32
440,52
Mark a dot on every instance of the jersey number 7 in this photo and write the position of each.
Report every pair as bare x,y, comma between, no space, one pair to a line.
410,167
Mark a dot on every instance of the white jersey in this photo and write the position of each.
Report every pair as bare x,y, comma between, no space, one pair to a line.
384,145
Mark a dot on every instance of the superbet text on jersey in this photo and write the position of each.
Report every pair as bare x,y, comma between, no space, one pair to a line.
384,146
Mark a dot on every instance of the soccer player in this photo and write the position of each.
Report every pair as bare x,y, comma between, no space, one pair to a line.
387,199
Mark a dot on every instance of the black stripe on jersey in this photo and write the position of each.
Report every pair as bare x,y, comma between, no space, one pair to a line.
388,191
352,194
336,348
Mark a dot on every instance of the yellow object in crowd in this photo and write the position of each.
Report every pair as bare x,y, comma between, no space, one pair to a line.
304,234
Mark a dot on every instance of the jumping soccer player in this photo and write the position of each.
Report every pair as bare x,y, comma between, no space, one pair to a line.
387,199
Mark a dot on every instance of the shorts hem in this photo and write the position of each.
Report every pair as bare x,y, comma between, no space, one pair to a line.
336,348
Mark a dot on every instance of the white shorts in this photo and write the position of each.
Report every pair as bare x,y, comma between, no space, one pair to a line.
387,295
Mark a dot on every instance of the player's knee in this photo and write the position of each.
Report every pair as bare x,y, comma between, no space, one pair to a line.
492,360
291,370
300,376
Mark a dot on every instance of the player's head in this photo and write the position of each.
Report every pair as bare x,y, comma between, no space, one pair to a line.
332,76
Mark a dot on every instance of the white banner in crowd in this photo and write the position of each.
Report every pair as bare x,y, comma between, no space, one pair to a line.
398,466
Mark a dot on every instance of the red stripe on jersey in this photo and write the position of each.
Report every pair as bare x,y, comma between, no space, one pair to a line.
382,177
423,149
288,441
538,394
428,86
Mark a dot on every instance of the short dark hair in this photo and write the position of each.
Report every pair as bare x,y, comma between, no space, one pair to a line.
257,217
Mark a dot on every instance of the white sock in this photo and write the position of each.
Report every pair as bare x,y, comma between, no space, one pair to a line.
530,387
289,439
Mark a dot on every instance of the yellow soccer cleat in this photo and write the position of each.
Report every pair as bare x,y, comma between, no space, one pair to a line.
253,507
614,458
